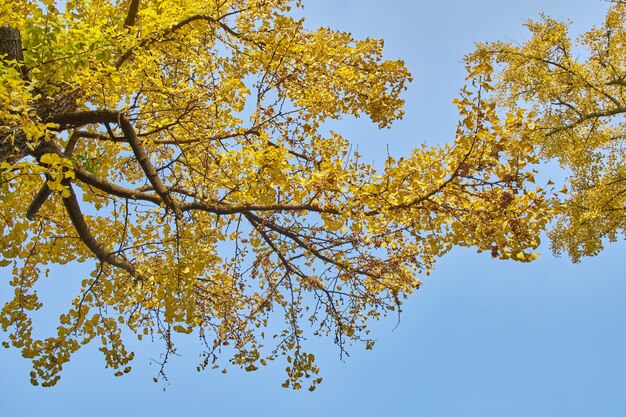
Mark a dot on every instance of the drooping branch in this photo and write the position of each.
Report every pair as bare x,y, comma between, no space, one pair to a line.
265,222
86,236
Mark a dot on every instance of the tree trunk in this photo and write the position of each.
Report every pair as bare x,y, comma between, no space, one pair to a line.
11,44
13,142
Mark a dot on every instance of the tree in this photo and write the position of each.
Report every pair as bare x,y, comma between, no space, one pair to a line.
575,91
181,146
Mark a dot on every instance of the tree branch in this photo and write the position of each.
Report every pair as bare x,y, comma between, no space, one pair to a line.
172,29
112,188
256,220
87,237
219,209
44,192
131,17
148,168
76,119
589,116
90,135
40,198
82,118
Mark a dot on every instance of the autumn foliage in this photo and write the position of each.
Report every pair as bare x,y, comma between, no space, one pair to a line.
575,91
179,147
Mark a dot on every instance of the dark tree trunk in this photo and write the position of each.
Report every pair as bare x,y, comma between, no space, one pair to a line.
11,44
13,142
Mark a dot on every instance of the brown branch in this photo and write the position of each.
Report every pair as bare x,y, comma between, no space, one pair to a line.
71,144
254,219
223,136
44,192
40,198
619,82
82,118
172,29
76,119
131,17
243,208
290,268
99,136
112,188
148,168
140,194
86,236
589,116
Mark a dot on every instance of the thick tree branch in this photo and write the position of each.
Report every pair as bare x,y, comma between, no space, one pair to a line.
44,192
40,198
86,236
91,135
148,168
219,209
112,188
77,119
131,17
619,82
82,118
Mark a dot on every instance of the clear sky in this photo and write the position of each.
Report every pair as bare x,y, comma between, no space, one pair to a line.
481,338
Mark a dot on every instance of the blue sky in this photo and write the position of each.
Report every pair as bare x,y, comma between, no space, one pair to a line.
481,338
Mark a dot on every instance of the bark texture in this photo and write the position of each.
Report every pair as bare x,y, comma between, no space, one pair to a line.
13,142
11,44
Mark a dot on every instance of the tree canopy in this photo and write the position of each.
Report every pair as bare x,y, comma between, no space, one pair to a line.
180,147
575,93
